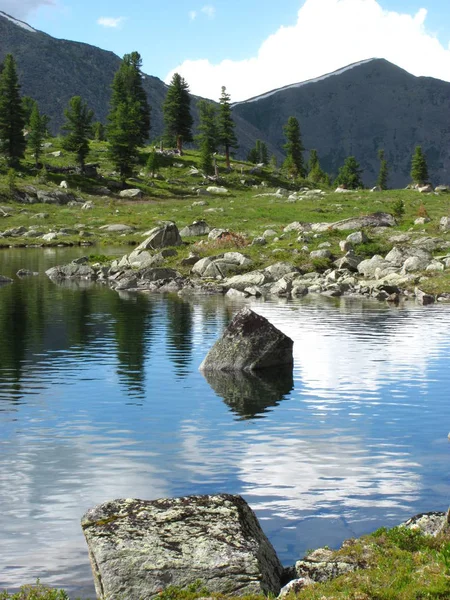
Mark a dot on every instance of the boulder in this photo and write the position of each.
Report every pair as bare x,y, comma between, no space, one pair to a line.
322,565
137,548
217,234
117,228
431,523
444,224
369,266
71,271
249,343
55,197
378,219
423,298
158,273
197,228
131,193
50,237
320,254
251,279
4,279
295,586
425,189
161,237
212,189
278,270
357,237
442,189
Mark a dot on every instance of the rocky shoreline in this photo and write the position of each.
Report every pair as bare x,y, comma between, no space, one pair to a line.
393,278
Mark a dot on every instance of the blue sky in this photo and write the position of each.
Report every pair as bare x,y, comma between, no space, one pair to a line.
252,46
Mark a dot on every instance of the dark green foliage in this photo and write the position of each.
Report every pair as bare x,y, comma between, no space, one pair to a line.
419,168
294,148
35,592
36,133
177,113
98,131
79,127
384,171
259,153
398,208
153,162
123,137
349,175
12,119
207,138
315,173
129,116
226,125
27,105
127,87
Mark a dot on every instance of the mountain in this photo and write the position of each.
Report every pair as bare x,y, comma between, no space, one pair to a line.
52,71
353,111
357,110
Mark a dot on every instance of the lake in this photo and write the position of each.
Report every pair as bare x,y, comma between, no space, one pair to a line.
101,398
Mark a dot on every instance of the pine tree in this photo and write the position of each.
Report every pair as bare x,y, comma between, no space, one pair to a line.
294,147
153,162
177,113
79,127
12,119
263,153
315,173
28,104
129,116
207,138
36,135
419,169
123,137
383,173
349,175
98,131
226,125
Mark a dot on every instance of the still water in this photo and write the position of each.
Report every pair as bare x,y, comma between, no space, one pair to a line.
101,398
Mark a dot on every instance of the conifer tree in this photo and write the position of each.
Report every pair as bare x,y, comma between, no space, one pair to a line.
177,113
419,169
294,148
129,116
383,173
98,131
153,163
349,175
207,138
226,125
315,173
79,127
12,119
263,153
37,125
28,104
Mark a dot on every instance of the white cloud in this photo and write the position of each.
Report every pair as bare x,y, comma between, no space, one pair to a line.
328,35
192,15
22,8
112,22
208,10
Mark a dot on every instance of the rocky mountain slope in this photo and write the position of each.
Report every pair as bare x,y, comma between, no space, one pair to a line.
53,70
354,111
358,110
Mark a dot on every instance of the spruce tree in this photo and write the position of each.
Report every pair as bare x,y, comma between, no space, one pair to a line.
98,131
37,131
315,173
12,119
28,104
153,162
129,116
79,127
226,125
419,169
207,138
177,113
349,175
383,173
294,147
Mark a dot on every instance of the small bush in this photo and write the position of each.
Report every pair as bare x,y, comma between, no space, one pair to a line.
422,211
35,592
398,208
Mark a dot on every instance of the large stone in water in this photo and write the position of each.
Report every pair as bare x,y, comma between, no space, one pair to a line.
138,548
249,343
161,237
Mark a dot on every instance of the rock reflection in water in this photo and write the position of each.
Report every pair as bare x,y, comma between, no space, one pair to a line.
250,395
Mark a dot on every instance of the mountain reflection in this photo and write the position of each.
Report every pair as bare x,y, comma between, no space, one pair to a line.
250,395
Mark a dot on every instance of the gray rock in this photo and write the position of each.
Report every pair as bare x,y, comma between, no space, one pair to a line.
71,271
415,263
87,205
212,189
369,266
50,237
217,234
358,237
259,241
320,254
378,219
431,523
26,273
158,273
55,197
442,189
232,293
422,220
444,224
4,279
423,298
160,237
14,232
143,259
269,233
197,228
425,189
297,226
345,245
249,343
251,279
131,193
278,270
294,586
137,548
117,228
350,261
42,215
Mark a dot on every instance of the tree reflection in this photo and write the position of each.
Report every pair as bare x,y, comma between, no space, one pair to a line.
179,334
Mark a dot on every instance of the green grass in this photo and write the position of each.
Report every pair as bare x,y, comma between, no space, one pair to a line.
240,212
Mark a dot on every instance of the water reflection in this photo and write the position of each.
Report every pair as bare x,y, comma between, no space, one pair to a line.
250,395
100,397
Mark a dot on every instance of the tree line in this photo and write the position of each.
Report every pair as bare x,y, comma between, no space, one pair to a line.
129,123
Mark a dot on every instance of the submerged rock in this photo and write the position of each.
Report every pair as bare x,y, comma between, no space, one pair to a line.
249,343
137,548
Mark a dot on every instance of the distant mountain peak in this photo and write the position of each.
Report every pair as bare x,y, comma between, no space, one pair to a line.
307,82
21,24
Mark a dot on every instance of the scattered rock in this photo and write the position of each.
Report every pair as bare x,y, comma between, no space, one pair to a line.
425,189
197,228
131,193
50,237
117,228
423,298
379,219
431,523
137,548
295,586
216,234
358,237
216,190
160,237
249,343
444,224
4,279
25,273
